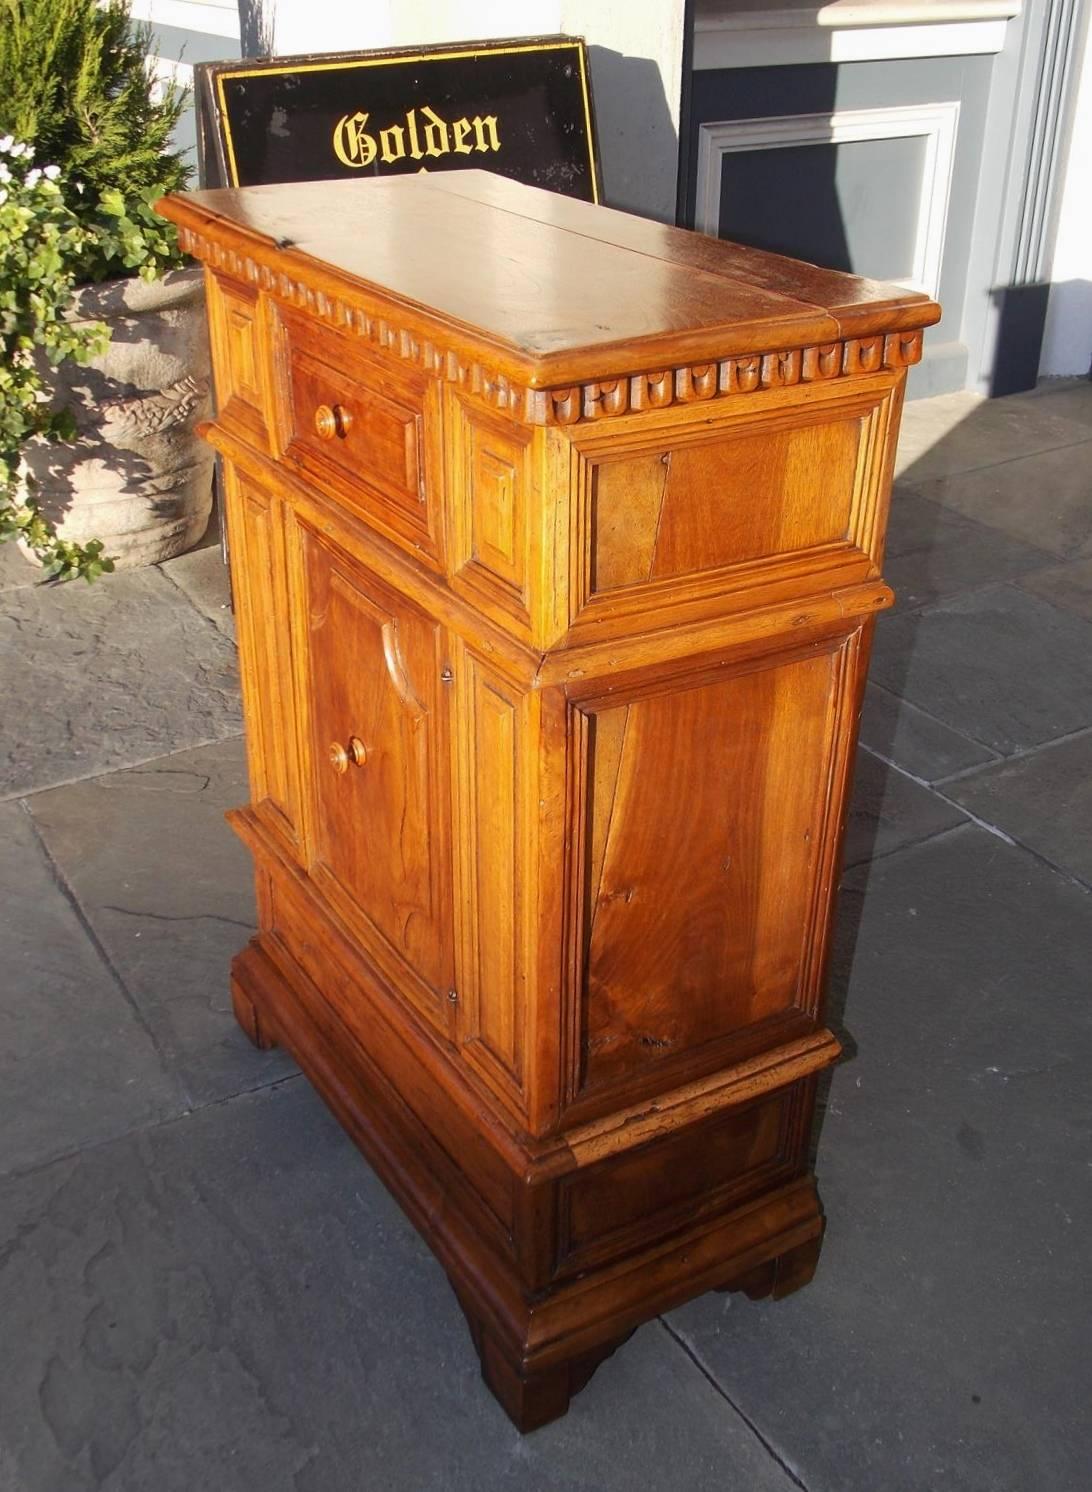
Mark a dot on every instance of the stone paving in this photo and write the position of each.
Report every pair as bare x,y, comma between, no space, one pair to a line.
203,1288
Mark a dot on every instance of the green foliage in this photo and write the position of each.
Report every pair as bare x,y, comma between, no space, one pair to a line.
74,81
76,85
129,237
42,245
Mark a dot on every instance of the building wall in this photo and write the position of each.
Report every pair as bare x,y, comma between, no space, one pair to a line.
866,166
857,203
1067,341
1023,170
185,32
1017,216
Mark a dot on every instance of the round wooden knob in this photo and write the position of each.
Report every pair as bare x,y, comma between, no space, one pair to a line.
354,754
332,421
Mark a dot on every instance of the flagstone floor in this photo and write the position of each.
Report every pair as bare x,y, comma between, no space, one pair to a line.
203,1288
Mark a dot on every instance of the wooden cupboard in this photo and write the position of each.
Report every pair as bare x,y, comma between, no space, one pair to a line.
556,542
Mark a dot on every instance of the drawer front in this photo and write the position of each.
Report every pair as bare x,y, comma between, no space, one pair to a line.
746,495
375,738
364,432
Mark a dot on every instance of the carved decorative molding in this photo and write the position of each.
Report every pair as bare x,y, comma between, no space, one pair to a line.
494,388
734,375
590,401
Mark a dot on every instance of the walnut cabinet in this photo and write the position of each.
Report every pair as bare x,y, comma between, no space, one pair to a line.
556,544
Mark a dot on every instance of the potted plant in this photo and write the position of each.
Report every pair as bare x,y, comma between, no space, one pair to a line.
104,346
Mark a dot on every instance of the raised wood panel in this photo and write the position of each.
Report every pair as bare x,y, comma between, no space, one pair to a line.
255,526
492,976
690,511
696,909
494,498
377,747
367,433
743,497
613,1205
239,363
244,361
498,518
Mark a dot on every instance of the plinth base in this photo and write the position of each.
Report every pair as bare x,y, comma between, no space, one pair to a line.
538,1345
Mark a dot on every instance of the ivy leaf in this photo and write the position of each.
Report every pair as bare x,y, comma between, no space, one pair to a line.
112,203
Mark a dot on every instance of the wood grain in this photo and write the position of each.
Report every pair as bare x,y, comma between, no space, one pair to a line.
698,919
557,541
382,451
590,296
379,827
255,526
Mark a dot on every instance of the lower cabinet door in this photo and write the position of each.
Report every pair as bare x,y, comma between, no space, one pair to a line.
376,744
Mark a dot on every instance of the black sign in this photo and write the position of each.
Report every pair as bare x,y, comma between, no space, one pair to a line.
519,108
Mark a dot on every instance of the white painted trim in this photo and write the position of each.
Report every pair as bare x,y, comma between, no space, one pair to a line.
205,17
758,15
781,46
937,123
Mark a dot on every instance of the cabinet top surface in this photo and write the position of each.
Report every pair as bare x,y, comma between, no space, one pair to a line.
564,288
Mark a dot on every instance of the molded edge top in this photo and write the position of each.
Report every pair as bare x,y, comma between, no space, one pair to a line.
559,290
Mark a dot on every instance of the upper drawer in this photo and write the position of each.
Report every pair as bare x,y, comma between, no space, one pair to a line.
366,432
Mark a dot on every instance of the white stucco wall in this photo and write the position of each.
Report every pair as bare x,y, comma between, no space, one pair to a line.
332,26
636,55
636,64
1067,342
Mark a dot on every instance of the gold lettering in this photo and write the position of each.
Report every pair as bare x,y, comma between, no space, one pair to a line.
436,142
351,145
425,132
415,144
396,151
480,126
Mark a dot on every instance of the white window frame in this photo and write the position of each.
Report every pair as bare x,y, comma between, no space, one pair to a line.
936,123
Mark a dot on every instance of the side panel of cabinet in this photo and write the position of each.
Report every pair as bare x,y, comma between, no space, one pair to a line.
255,522
376,774
707,817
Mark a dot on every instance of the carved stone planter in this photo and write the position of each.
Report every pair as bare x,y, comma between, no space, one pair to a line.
136,476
